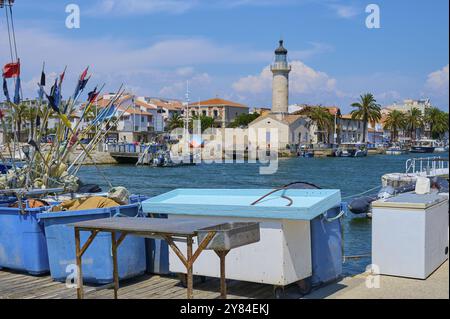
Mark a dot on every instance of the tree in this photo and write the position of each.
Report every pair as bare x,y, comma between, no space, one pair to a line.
437,121
205,122
367,110
322,118
394,122
175,121
244,120
413,121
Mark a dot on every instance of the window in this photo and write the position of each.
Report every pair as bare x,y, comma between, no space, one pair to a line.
204,113
142,119
216,113
193,113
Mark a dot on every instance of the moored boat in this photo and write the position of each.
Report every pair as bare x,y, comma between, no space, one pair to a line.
396,150
351,150
423,146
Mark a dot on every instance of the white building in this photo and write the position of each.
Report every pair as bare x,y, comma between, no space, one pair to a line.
292,129
409,104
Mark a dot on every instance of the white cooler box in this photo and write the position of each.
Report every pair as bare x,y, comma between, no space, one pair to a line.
410,234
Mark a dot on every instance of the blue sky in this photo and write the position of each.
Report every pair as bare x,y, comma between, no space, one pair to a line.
223,47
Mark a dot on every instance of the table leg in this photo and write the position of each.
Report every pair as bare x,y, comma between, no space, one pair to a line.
223,284
190,274
80,293
115,270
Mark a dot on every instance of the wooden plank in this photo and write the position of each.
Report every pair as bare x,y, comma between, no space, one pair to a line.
22,291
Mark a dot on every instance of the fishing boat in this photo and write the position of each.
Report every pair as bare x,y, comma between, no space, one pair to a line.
351,150
396,150
440,147
423,146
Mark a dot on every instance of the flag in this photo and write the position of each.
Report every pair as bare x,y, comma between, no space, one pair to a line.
92,96
105,114
51,102
81,83
41,85
65,120
100,116
61,77
73,139
83,75
54,106
11,70
5,90
17,91
55,97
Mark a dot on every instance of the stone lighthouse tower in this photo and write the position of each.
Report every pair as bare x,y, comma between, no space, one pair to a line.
280,84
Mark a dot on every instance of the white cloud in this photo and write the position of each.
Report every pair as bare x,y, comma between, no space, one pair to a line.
178,88
303,80
127,7
345,11
134,7
437,82
152,66
185,71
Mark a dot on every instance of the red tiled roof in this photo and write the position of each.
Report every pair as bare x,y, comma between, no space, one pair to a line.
217,102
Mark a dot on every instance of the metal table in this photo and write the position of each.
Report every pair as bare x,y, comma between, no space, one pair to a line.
169,230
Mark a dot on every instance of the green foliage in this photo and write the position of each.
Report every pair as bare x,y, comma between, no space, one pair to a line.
243,120
437,121
323,119
175,121
205,122
367,110
413,121
395,121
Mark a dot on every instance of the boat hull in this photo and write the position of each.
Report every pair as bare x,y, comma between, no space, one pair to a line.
422,149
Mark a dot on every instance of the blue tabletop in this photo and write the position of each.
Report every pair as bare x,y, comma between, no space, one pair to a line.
306,203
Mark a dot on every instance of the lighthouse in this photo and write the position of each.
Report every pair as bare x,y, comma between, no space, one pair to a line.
280,83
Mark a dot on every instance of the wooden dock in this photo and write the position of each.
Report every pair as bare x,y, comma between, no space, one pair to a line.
14,285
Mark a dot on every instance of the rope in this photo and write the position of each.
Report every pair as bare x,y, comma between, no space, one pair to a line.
359,194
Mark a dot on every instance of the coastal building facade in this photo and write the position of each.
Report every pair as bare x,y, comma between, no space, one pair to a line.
222,111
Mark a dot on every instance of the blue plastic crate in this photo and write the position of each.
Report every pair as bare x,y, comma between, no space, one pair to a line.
326,247
97,260
157,250
22,240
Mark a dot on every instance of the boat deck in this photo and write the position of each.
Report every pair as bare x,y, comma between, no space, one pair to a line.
15,285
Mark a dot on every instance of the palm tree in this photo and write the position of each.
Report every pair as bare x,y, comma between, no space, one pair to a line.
414,121
175,122
323,119
437,121
367,110
394,122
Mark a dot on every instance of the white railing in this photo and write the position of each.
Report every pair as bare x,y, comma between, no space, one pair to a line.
428,166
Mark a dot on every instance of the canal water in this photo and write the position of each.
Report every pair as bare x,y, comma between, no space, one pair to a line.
350,175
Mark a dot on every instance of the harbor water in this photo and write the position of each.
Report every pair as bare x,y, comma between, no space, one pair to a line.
350,175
